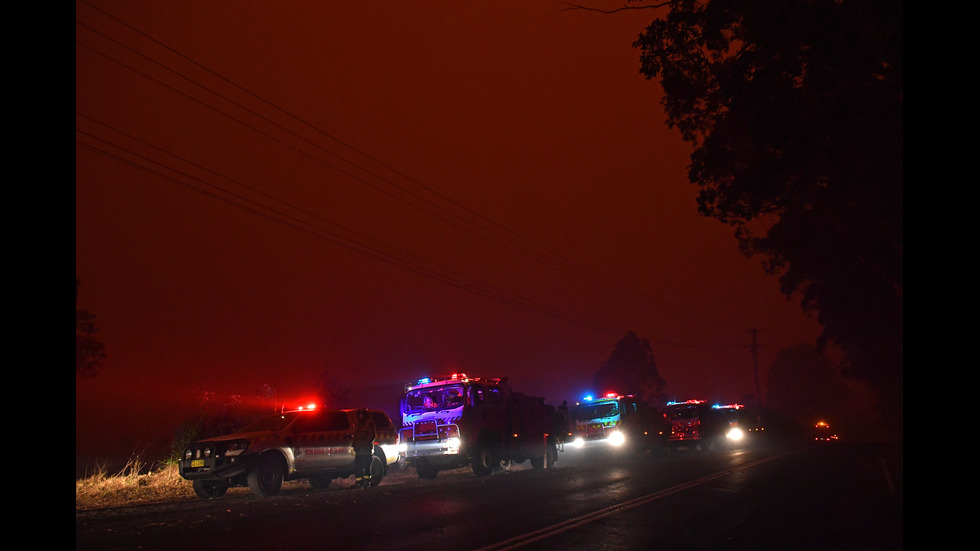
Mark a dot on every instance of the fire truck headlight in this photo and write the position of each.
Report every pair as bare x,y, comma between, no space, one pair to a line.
578,442
735,434
453,442
188,453
617,439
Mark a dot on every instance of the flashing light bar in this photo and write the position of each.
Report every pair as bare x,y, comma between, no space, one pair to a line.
686,402
727,406
453,377
608,396
308,407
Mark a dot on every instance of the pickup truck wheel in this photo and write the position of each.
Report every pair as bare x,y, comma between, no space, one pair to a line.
208,489
483,461
377,470
266,479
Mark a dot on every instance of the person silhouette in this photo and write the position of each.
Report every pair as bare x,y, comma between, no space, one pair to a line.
365,433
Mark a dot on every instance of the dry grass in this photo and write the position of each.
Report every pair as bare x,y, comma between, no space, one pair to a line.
136,484
133,484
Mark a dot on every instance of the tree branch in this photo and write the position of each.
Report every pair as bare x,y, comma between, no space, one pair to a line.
624,8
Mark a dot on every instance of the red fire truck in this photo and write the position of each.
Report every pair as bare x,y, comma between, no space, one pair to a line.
695,424
686,419
459,420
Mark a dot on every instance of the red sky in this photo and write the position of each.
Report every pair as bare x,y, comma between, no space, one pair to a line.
264,192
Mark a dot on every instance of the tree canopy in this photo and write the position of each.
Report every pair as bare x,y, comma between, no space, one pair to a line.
631,369
331,391
89,351
795,112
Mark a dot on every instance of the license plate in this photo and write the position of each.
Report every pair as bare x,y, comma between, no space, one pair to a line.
197,463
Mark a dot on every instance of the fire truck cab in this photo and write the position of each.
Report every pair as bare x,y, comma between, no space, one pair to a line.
618,421
728,428
686,420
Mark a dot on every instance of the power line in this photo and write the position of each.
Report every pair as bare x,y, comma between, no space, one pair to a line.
501,232
508,234
237,200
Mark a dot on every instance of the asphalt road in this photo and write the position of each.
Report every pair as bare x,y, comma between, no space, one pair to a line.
835,496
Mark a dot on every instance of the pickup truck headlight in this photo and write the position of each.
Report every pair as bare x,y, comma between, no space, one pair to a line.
235,447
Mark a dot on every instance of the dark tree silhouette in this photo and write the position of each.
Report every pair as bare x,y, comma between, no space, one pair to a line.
631,369
89,352
266,395
804,386
331,392
795,112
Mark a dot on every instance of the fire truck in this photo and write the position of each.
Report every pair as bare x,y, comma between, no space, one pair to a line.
686,419
695,424
728,428
460,420
617,420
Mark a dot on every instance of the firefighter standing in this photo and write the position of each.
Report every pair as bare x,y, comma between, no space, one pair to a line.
364,436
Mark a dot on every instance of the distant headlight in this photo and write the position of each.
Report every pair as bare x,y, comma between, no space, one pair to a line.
735,434
578,442
616,439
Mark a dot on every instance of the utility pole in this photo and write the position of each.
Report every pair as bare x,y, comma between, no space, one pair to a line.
754,348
